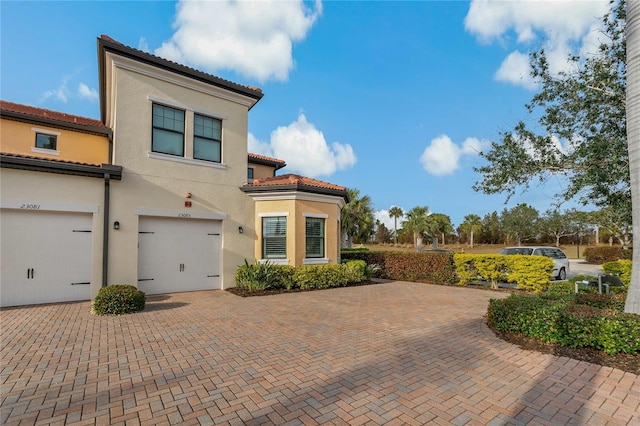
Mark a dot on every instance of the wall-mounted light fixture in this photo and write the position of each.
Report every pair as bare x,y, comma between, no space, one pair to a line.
187,195
240,230
116,225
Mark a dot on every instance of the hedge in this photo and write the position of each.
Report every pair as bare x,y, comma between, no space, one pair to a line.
584,320
409,266
621,268
600,255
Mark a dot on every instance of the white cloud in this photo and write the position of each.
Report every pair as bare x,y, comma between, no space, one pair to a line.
384,217
143,45
85,92
305,149
254,39
560,23
442,156
60,93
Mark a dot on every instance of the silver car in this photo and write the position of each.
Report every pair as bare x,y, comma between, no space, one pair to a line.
560,260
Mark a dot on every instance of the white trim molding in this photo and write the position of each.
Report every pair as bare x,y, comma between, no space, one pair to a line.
273,214
45,131
297,195
316,215
275,261
45,151
181,214
315,261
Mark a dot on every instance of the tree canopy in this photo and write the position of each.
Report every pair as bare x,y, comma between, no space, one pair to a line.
577,128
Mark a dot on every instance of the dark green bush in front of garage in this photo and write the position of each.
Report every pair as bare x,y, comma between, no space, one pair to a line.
118,299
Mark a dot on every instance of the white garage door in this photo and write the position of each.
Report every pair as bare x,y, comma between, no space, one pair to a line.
45,257
178,254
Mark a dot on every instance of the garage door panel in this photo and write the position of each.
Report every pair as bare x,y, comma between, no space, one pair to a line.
46,257
178,255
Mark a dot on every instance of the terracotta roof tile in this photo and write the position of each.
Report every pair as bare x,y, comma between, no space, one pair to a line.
48,114
34,157
111,40
291,179
276,162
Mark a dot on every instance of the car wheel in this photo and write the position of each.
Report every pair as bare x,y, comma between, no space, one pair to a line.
562,275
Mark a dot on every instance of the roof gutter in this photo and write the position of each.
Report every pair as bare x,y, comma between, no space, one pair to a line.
48,166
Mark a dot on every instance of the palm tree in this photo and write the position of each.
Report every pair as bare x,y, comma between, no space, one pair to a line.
356,217
417,223
395,212
471,224
632,304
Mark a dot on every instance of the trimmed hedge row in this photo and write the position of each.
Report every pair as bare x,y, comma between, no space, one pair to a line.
409,266
528,272
583,320
267,276
600,255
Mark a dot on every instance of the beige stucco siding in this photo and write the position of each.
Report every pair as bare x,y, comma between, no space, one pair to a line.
297,210
17,137
57,192
160,182
260,171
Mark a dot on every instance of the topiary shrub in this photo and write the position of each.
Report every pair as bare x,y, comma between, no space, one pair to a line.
118,299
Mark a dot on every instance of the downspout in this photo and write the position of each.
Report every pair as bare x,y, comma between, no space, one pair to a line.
105,232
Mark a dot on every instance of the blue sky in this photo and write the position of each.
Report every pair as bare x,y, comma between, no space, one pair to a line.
392,98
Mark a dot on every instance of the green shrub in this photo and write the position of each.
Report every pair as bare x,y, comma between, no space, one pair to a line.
118,299
600,255
621,268
589,320
263,276
409,266
528,272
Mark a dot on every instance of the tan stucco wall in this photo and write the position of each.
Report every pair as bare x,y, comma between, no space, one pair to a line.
296,221
56,192
150,183
260,171
18,137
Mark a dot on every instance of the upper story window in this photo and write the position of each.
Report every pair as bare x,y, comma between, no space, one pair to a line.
274,237
207,138
314,237
45,141
168,130
250,174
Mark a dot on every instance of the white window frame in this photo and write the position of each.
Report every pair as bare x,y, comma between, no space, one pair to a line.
37,150
316,260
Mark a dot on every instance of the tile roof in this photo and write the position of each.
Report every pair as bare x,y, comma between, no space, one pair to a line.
139,52
34,157
262,159
291,179
41,113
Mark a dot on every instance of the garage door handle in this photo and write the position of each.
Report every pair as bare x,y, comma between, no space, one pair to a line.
182,267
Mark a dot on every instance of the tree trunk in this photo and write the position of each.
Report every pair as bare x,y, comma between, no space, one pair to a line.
557,240
632,304
471,239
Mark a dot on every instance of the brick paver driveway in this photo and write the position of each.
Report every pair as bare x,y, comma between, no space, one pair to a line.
394,353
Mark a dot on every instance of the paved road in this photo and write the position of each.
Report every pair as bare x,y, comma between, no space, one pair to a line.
580,267
394,354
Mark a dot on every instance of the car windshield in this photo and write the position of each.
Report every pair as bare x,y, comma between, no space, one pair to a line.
516,250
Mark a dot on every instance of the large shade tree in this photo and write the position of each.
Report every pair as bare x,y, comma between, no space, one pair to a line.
471,224
578,130
416,223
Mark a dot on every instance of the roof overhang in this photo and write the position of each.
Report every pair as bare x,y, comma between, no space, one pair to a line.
106,46
296,191
60,167
28,118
